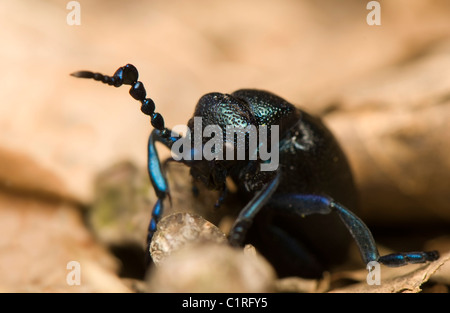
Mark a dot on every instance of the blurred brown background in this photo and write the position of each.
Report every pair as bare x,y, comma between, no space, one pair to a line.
383,90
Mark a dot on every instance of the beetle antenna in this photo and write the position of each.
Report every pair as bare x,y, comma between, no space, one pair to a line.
128,75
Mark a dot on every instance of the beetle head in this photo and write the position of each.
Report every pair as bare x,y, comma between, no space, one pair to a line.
216,114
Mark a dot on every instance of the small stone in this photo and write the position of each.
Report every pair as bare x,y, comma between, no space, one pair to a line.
176,230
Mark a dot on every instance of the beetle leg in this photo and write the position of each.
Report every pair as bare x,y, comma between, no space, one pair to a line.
222,197
400,259
157,178
244,220
313,204
367,247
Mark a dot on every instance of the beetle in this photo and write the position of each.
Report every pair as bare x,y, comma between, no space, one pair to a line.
300,215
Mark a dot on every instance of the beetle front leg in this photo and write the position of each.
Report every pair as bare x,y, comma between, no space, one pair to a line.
158,179
313,204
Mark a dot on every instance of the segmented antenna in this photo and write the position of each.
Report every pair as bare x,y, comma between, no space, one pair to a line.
128,75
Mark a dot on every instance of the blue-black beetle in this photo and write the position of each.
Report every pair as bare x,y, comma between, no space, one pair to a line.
291,212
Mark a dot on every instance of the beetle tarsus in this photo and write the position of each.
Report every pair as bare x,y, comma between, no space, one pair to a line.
401,259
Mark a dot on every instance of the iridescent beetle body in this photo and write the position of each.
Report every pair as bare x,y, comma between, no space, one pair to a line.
301,215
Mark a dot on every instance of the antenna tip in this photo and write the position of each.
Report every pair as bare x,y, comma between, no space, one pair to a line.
83,74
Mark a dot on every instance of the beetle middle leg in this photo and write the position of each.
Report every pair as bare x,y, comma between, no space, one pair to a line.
248,213
304,205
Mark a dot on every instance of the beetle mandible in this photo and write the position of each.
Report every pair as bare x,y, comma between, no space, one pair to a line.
301,215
